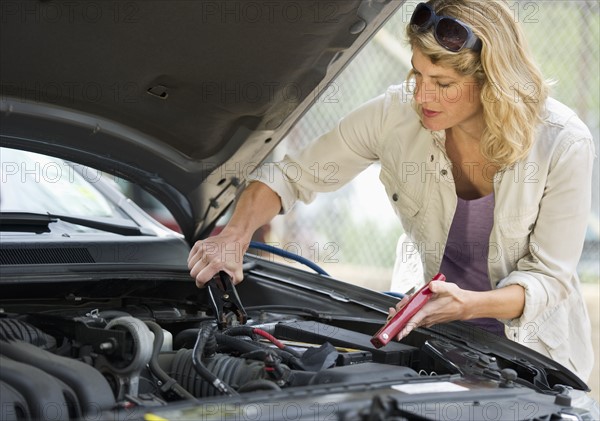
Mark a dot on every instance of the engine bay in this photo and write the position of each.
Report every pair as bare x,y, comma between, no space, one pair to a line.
93,360
81,350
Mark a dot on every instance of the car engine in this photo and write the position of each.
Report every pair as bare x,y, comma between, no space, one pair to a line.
85,364
110,349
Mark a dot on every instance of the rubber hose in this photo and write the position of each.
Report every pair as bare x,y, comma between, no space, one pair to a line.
14,329
239,331
239,345
168,383
206,331
234,371
245,347
258,384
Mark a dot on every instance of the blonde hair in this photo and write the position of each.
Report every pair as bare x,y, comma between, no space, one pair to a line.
513,91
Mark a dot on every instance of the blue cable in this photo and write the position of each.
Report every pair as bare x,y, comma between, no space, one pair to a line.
394,294
286,254
289,255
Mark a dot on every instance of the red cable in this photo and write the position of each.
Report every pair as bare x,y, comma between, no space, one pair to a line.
270,337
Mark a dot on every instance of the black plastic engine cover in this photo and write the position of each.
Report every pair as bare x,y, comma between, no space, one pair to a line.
92,390
315,332
363,373
43,395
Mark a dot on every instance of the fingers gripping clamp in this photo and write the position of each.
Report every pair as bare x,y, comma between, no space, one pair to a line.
224,299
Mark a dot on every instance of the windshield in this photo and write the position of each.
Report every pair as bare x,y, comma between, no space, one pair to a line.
37,183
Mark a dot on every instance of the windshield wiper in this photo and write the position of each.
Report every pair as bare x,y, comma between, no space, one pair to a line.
40,223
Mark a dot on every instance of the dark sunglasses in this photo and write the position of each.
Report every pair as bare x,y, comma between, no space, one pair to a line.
450,33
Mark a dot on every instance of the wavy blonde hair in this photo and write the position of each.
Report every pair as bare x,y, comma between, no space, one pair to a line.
513,91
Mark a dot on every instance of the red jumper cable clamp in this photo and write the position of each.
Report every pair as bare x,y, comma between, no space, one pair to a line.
395,325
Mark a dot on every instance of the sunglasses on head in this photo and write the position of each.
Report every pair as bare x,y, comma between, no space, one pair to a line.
450,33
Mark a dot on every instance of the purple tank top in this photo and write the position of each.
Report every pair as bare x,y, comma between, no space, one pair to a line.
466,254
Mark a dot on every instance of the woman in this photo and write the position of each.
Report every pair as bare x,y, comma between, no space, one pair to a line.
490,178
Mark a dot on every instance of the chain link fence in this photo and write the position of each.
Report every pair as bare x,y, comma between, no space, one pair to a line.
352,233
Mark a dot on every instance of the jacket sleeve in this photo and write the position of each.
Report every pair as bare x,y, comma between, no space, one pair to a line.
331,161
548,271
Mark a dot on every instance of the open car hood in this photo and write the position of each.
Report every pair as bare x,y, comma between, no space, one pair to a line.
184,98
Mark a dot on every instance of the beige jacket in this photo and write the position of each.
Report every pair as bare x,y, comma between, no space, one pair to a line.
540,217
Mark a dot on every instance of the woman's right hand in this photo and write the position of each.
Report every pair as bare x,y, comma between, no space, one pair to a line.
257,205
222,252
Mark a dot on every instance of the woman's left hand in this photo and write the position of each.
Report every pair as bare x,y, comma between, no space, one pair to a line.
448,303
